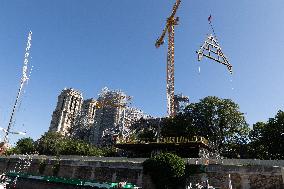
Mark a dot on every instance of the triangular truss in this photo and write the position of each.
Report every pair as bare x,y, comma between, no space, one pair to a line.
212,50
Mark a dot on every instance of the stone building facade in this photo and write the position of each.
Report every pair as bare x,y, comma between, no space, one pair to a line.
68,106
108,115
88,111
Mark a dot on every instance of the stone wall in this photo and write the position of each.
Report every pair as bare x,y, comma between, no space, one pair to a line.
95,168
242,176
245,174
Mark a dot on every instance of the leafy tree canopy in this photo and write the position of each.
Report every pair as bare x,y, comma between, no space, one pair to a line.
267,139
50,143
218,120
26,146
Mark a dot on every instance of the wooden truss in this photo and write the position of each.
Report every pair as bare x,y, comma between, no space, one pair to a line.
212,50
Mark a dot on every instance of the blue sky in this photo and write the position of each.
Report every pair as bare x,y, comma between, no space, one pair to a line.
90,44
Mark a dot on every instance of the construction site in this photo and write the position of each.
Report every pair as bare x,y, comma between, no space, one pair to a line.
106,117
215,150
111,114
110,117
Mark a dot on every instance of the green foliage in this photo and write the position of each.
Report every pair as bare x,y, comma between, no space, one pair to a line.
26,146
109,152
218,120
23,146
166,170
180,125
77,147
55,168
12,151
55,144
50,143
42,165
267,139
147,135
145,130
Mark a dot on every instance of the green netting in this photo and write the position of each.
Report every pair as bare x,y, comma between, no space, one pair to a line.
77,182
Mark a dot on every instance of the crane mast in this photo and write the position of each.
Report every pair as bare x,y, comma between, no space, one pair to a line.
172,21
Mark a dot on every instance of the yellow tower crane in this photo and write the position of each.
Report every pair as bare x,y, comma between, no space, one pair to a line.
172,21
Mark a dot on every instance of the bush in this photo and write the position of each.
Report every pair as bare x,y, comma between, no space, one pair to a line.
50,143
23,146
12,151
42,165
166,170
26,146
110,152
77,147
55,168
55,144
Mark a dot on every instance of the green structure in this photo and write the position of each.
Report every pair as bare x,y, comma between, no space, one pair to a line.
77,182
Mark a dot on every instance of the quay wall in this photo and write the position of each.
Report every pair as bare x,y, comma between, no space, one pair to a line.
245,173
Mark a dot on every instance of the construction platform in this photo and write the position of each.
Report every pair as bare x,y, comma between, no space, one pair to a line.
194,147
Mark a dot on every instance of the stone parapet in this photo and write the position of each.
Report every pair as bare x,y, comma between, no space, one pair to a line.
245,174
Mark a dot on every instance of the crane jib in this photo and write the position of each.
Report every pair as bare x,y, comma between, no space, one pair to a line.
169,28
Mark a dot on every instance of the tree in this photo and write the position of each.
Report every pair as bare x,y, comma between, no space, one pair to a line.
11,151
71,146
145,129
166,170
274,136
256,147
110,152
267,139
180,125
26,146
147,135
50,143
218,120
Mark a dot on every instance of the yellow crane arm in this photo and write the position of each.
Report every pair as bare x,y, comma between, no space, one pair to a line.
170,21
176,5
160,40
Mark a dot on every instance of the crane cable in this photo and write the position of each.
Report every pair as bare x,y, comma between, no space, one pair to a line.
212,28
213,31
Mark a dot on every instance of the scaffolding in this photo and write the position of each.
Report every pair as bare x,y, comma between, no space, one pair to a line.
180,102
113,116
